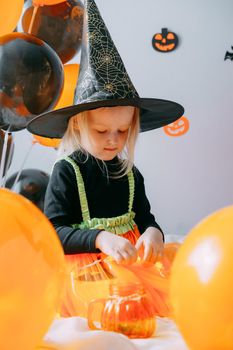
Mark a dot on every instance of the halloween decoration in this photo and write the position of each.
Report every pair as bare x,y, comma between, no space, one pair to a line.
127,310
31,79
32,184
229,55
202,282
177,128
165,42
31,273
59,25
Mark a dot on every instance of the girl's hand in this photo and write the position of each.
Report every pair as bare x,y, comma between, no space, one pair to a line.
150,245
119,248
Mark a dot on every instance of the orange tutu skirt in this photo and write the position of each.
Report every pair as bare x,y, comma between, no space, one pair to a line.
89,275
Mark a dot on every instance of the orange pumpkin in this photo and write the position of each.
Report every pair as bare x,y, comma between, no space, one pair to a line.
165,41
177,128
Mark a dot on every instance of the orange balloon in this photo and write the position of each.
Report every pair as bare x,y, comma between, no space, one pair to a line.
31,272
47,2
10,12
45,141
70,81
202,284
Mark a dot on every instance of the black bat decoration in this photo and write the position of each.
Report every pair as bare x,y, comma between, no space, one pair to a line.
229,55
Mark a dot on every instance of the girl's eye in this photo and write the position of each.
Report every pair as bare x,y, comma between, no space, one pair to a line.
123,131
101,131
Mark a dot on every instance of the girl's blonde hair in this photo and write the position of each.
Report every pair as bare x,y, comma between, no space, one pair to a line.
77,125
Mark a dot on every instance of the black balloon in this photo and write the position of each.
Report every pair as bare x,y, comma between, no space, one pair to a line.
9,151
32,184
59,25
31,79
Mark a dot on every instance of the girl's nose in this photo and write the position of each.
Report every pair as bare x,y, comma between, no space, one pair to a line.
113,138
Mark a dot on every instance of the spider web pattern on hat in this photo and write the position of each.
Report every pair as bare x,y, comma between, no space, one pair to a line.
103,75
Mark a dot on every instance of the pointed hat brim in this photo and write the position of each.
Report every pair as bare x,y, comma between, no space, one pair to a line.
154,113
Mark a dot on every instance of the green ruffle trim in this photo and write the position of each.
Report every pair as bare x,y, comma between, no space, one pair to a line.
81,189
131,189
118,225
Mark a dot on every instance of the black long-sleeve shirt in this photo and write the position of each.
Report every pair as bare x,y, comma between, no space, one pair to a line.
107,197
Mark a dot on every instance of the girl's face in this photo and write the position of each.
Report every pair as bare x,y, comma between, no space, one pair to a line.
108,130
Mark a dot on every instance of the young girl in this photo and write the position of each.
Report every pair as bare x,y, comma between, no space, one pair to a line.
96,197
102,135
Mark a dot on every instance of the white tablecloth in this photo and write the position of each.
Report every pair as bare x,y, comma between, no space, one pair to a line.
73,334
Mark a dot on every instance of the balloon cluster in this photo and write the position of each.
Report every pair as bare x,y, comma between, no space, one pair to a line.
33,79
31,83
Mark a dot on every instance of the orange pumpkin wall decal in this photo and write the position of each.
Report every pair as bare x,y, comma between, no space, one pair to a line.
165,41
177,128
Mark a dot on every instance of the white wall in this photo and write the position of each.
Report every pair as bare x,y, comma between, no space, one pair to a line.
190,176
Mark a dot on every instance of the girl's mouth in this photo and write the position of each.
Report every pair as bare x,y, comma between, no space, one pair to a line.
110,149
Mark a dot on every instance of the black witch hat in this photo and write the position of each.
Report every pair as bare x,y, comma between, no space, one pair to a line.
103,82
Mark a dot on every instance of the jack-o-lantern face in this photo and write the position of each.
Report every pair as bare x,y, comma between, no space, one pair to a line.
165,41
177,128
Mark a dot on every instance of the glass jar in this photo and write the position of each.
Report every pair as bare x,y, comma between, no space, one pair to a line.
127,310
